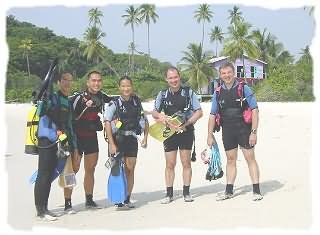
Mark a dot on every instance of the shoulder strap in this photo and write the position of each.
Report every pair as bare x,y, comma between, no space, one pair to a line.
218,91
240,89
164,94
188,98
137,100
118,104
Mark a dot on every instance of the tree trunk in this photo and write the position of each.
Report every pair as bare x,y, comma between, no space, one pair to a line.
148,45
110,67
202,34
244,69
216,48
129,61
132,52
199,88
28,65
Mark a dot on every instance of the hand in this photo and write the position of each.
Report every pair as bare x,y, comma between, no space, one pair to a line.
181,128
89,103
113,149
211,140
162,118
253,139
144,143
76,156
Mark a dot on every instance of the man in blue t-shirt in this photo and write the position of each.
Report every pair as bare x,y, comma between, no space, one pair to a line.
230,105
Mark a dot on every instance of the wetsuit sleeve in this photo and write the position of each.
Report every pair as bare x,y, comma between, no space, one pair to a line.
110,110
47,105
157,103
251,99
106,98
78,105
214,104
73,136
195,104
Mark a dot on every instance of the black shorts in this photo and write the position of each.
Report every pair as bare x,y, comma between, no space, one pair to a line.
183,140
236,134
127,144
87,145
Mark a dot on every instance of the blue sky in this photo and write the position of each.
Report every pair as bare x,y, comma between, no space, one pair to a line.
175,28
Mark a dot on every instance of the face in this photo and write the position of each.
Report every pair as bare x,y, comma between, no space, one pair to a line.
125,88
173,79
65,85
94,83
227,75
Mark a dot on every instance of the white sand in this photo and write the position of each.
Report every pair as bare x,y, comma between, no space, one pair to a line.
283,154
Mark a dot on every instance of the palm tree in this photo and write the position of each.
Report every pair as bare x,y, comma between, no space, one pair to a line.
305,55
197,66
216,35
285,58
92,45
235,15
94,17
147,13
131,50
132,18
26,45
263,42
203,14
240,43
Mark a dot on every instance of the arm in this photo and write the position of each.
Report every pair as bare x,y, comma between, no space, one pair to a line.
197,111
112,146
144,142
156,113
254,128
252,103
211,122
108,118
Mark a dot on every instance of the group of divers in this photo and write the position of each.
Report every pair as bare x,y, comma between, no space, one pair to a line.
78,118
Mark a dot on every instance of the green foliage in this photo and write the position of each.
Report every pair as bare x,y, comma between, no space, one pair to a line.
148,79
291,82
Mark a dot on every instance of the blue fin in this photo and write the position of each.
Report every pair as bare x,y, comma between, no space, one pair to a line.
57,171
117,186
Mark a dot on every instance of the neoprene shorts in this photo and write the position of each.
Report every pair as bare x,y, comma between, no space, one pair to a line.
236,134
183,140
87,145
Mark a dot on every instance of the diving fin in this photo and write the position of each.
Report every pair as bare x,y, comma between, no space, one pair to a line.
57,171
117,184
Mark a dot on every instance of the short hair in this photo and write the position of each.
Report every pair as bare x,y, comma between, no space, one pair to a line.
65,76
171,68
93,72
226,65
125,78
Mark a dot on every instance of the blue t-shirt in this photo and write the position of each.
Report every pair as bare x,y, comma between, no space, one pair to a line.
247,92
194,102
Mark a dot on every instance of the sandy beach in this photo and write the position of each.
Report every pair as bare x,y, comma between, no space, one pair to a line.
283,154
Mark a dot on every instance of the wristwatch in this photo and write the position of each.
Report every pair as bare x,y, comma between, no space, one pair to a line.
253,131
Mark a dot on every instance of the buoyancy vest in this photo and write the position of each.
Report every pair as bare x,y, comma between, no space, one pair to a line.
55,118
130,113
231,104
174,102
87,120
177,102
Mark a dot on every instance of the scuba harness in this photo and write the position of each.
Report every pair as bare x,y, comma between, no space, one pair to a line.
36,119
39,96
174,110
129,117
245,109
86,118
